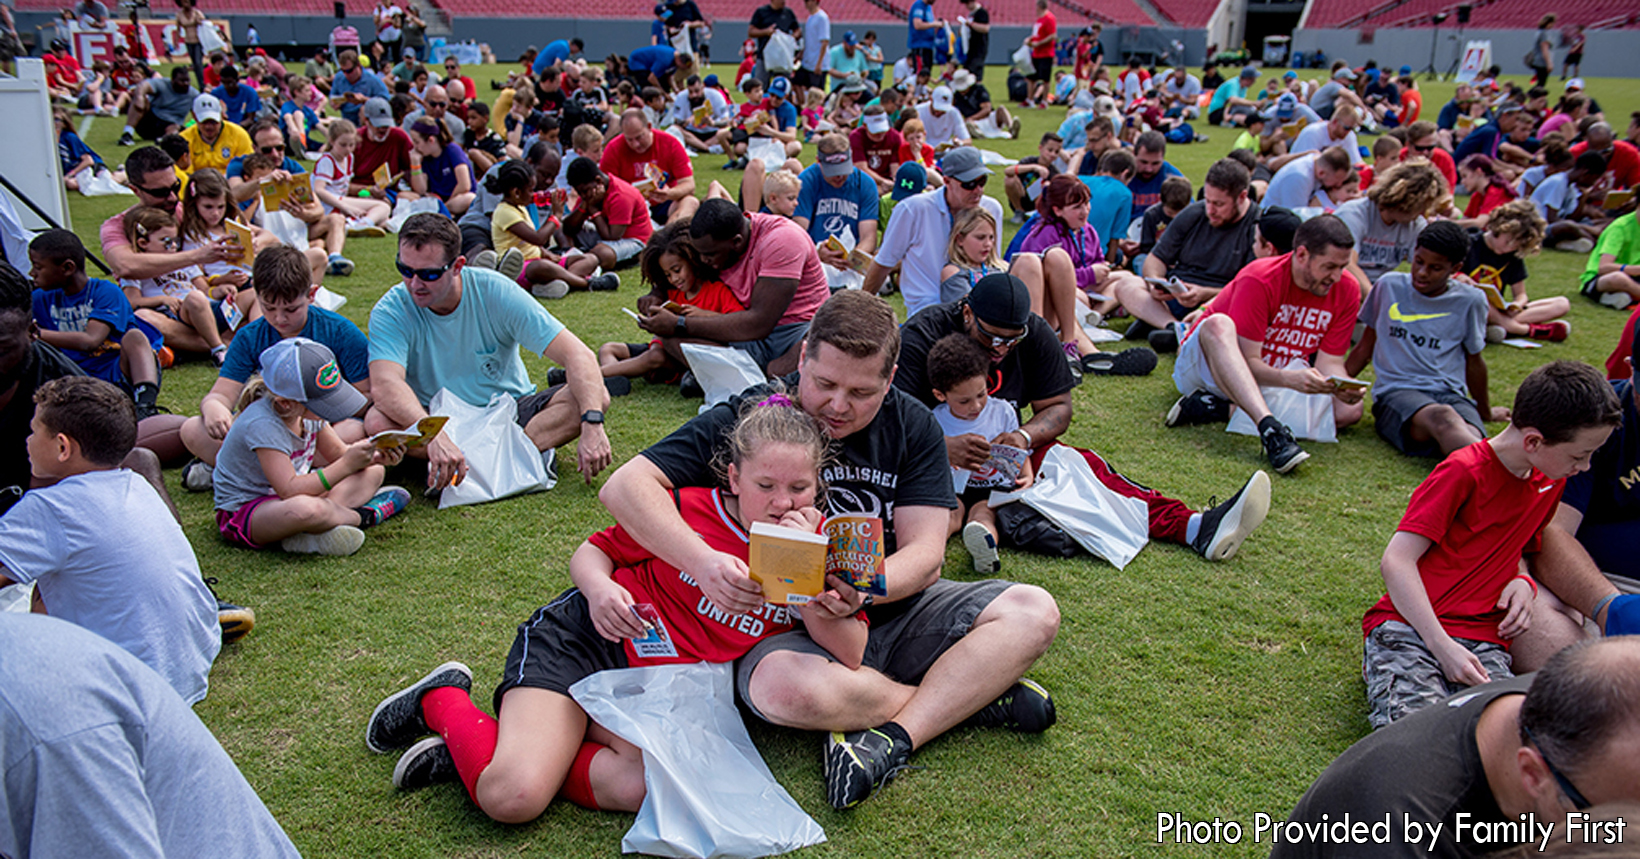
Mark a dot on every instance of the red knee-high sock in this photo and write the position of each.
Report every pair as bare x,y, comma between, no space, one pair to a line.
468,732
578,784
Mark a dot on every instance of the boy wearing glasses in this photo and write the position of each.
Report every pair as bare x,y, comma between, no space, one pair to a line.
1456,568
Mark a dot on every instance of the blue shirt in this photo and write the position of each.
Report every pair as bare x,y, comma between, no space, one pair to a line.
441,171
555,51
1147,192
240,107
310,120
1610,490
1108,209
236,167
102,301
653,58
1227,90
1483,140
835,211
785,116
369,86
70,148
343,338
920,11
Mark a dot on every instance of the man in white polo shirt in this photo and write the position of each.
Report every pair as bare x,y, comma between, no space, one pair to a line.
916,240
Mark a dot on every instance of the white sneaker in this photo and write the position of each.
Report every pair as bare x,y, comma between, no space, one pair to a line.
340,540
510,263
1619,300
1495,334
361,227
983,547
1576,246
553,289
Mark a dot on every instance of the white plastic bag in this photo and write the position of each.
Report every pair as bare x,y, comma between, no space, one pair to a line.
289,229
101,184
501,459
722,371
780,54
1022,60
992,158
1309,416
329,300
767,150
987,128
406,208
1111,526
211,39
707,791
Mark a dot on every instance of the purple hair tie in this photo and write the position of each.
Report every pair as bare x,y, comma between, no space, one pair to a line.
778,400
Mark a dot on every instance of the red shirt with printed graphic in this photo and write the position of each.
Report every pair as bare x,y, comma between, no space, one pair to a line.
1292,323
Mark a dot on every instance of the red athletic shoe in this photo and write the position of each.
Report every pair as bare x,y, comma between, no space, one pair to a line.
1554,332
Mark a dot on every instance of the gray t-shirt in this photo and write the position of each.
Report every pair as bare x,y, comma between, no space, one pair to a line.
1198,252
238,478
107,555
1423,340
103,759
1322,101
170,104
1380,246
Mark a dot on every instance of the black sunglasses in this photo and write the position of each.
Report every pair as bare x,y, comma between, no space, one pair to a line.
433,104
425,275
1572,793
1429,148
974,184
269,150
161,193
998,341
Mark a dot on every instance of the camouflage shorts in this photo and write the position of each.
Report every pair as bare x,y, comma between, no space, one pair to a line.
1403,675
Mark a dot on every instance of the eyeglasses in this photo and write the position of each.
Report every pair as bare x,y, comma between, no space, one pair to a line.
1572,793
1417,148
161,193
974,185
425,275
433,104
168,242
269,150
997,341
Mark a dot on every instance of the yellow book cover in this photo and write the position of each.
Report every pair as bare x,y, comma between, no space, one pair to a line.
790,564
382,177
241,236
298,188
418,435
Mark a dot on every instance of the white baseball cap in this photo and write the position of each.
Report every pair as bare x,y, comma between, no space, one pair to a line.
942,98
207,107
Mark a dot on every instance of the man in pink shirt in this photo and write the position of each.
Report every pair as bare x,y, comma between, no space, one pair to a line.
1296,306
770,264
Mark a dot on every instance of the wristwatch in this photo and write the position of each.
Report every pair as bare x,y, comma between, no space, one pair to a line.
592,416
682,325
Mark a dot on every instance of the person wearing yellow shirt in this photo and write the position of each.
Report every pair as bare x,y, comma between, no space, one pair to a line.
212,140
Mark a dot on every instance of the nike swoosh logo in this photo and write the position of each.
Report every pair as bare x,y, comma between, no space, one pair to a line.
1396,315
1543,489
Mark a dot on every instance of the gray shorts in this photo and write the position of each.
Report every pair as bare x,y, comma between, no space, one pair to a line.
625,250
906,636
1403,675
779,342
1392,412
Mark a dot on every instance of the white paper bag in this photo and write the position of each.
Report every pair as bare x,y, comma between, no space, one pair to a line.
707,792
328,300
501,459
1111,526
722,371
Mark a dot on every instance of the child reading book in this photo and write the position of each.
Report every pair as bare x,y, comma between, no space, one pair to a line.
628,608
206,210
271,480
693,289
544,274
331,175
959,371
1513,231
177,302
1456,567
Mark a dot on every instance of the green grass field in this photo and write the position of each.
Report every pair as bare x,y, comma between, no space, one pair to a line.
1205,690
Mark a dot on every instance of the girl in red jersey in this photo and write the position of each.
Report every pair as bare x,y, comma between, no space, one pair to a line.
628,608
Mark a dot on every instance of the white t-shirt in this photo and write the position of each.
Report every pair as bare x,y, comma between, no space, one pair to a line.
1132,87
1556,192
948,128
1316,136
683,112
177,283
998,416
1294,184
107,555
332,175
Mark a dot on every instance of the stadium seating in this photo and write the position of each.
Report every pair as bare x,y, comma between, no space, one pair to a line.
1500,14
1187,13
230,7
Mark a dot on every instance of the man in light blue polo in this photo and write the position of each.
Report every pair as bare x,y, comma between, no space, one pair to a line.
354,85
916,240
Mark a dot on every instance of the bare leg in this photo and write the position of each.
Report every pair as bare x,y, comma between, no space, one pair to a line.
1135,295
682,209
1054,296
1229,366
199,442
538,734
558,423
751,186
143,461
541,271
275,520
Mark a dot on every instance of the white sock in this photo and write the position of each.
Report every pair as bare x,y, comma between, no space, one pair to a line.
1193,527
130,130
220,350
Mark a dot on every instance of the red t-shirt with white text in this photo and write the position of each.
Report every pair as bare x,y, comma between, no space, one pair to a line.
666,153
1267,306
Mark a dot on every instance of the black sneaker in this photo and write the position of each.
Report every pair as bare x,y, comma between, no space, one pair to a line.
397,721
557,376
1137,361
1225,526
1199,407
236,621
1025,708
1282,449
606,282
127,140
427,762
1139,330
690,387
858,763
1165,339
617,386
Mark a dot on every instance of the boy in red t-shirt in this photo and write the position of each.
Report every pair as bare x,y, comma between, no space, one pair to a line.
611,222
1456,568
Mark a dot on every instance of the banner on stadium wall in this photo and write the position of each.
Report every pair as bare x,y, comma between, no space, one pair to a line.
466,53
159,37
1477,58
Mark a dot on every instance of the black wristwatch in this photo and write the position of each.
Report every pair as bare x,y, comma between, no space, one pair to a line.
592,416
681,327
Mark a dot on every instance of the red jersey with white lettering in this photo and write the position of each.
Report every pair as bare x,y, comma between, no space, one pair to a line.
699,631
1482,518
1266,305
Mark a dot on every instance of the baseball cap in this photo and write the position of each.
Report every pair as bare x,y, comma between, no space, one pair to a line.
1574,83
1002,300
1286,106
852,83
1374,74
910,179
409,53
1249,72
711,81
835,165
780,87
877,123
962,80
964,164
1344,74
207,107
942,98
1406,70
850,39
1289,75
300,369
377,113
1277,225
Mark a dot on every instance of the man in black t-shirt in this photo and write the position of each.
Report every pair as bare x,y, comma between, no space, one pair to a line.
765,20
979,37
1028,368
1547,744
973,101
889,462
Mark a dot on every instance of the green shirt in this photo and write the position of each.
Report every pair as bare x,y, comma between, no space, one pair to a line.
1620,239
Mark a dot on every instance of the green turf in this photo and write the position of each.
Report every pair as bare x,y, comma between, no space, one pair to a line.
1207,690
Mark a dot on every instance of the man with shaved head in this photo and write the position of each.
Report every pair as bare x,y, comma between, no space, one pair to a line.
628,156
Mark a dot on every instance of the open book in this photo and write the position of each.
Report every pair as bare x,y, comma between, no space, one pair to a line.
792,564
298,188
1495,298
417,435
858,260
381,177
241,235
652,179
1345,383
1618,199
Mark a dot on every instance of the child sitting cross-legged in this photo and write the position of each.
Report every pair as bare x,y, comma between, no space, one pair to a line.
1456,569
271,481
1424,335
1514,230
959,371
521,245
176,303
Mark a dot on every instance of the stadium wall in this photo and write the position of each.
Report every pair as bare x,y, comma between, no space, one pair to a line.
1607,54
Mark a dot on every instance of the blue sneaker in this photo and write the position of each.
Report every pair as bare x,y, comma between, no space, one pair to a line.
389,500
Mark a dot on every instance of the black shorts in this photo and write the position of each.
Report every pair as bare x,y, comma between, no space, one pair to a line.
1043,67
557,647
806,78
906,637
1392,413
531,405
473,240
151,127
922,58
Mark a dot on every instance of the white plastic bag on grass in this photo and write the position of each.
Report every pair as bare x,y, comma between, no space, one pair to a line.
406,208
328,300
722,371
288,228
1111,526
992,158
101,184
501,459
707,791
767,150
1309,416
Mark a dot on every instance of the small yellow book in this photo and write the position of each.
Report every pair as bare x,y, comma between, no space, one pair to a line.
702,115
382,177
241,235
418,435
859,260
1345,383
298,188
1495,298
1618,199
792,565
758,120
